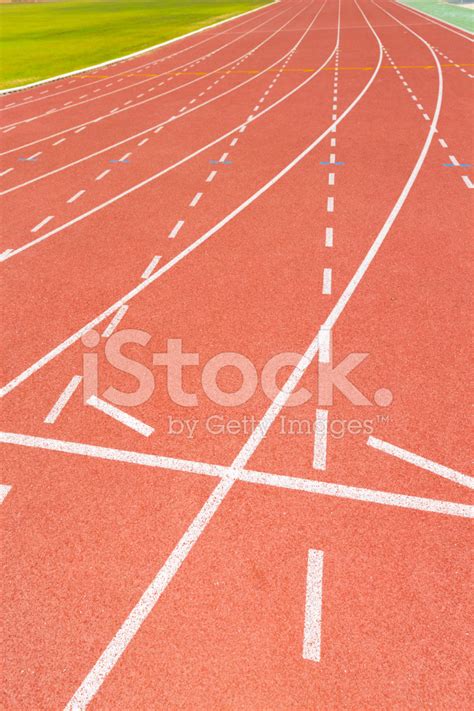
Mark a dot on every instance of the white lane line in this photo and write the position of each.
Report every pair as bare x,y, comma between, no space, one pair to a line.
454,160
426,117
443,142
195,200
331,178
123,417
35,155
4,489
329,237
76,196
176,229
4,172
330,204
151,267
280,481
421,462
223,157
124,157
5,254
61,140
324,345
63,399
419,106
115,321
333,142
103,174
467,181
211,176
80,129
320,440
313,607
332,158
42,223
7,130
143,141
327,280
234,142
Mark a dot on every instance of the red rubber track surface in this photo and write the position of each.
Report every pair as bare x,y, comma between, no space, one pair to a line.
384,99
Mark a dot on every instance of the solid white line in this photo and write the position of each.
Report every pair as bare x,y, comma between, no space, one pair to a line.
120,416
4,489
421,462
76,196
115,321
320,439
4,172
176,229
195,200
42,223
211,176
63,399
292,483
138,53
468,182
327,280
151,267
313,607
329,237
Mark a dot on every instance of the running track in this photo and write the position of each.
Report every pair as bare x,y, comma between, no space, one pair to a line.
294,181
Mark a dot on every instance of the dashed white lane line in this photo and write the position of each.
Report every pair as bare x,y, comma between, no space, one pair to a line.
124,157
313,607
4,172
211,176
320,440
61,140
324,345
330,204
4,489
234,142
151,267
426,117
331,178
442,142
454,160
76,196
176,229
103,174
5,254
35,155
7,130
42,223
421,462
195,200
63,400
223,157
143,141
80,129
108,330
327,280
332,158
123,417
333,142
329,237
468,182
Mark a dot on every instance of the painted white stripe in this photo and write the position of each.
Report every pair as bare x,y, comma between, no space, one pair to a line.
124,157
151,267
4,489
61,140
320,440
121,416
103,174
421,462
334,117
211,176
329,238
292,483
80,129
234,141
313,608
443,23
195,200
176,229
419,106
331,178
42,223
333,142
454,160
115,321
327,280
4,172
4,255
35,155
223,157
143,141
76,196
332,158
426,117
330,204
467,181
63,399
324,345
7,130
443,142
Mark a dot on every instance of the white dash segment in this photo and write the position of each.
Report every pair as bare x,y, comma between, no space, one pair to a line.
42,223
115,321
468,182
329,237
454,160
103,174
327,280
320,439
63,399
176,229
195,200
313,607
4,489
331,178
211,176
442,142
123,417
4,172
330,204
76,196
151,267
324,341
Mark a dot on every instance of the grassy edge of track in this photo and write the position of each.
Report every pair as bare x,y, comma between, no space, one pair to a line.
42,40
454,14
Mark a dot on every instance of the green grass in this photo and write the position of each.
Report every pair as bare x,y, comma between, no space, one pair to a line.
453,13
40,40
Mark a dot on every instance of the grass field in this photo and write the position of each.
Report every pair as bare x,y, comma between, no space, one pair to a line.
40,40
453,13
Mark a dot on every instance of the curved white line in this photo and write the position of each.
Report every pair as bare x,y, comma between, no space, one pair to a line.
442,23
